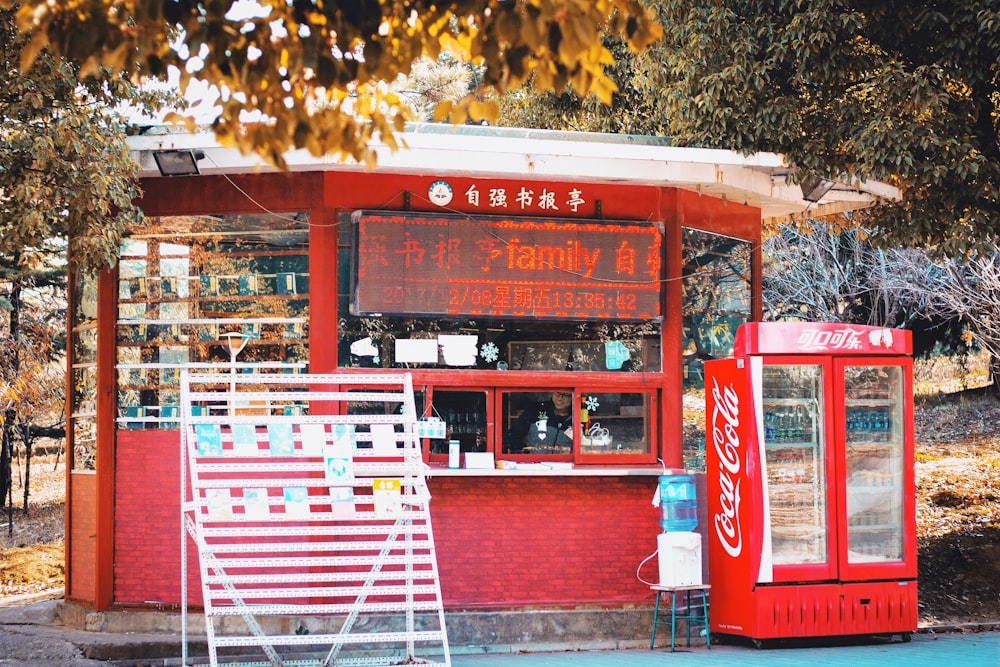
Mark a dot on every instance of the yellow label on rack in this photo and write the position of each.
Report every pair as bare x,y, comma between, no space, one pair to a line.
388,498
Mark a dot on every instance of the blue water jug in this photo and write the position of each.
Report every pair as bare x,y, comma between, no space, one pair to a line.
678,503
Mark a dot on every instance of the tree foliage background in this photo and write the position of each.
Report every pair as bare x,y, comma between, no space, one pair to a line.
822,272
630,111
67,183
896,90
318,72
32,375
902,91
65,171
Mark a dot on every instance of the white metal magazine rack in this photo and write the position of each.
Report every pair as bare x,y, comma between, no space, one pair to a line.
312,529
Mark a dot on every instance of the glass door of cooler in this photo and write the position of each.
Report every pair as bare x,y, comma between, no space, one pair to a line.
796,468
875,464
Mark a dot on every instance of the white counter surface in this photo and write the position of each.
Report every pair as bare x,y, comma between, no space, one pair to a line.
543,470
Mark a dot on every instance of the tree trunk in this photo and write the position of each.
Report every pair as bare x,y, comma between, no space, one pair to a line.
6,448
26,439
13,362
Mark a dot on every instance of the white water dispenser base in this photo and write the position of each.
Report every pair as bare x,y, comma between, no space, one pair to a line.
679,555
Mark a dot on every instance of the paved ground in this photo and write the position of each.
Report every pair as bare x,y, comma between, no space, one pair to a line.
31,636
925,650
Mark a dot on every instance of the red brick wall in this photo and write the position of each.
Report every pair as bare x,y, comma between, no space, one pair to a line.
501,541
147,521
82,538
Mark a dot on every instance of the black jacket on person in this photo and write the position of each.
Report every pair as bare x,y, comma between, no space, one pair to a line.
514,439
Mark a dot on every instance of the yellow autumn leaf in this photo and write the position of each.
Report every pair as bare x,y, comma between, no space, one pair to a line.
543,77
487,110
442,111
603,88
180,119
31,50
459,114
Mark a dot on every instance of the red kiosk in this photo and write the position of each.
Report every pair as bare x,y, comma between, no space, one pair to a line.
499,267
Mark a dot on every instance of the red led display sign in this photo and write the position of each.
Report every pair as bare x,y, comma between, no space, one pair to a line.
422,264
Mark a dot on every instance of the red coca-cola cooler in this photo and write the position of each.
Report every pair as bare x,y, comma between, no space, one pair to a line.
810,488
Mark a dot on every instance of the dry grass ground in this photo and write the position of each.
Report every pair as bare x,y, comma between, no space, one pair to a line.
31,556
957,425
958,508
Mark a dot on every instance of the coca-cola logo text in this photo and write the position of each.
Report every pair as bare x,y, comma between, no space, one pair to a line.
726,440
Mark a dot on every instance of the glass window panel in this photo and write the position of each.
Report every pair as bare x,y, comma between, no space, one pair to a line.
538,422
84,299
794,449
614,423
85,346
874,455
464,414
185,280
579,355
84,390
84,443
717,290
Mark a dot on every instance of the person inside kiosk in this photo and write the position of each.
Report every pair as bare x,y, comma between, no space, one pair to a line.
545,428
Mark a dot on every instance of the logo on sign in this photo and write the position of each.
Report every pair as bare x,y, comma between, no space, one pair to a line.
817,340
440,193
726,440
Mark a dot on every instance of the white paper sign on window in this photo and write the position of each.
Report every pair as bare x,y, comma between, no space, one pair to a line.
458,350
364,348
416,351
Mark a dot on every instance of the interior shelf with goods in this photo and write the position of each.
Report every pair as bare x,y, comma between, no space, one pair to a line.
871,421
629,355
465,416
615,423
184,284
874,479
795,463
795,479
791,438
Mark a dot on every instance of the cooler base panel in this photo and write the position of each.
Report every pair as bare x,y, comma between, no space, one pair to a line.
829,610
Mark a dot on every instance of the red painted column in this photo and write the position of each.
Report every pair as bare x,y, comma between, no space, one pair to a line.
104,510
323,262
672,399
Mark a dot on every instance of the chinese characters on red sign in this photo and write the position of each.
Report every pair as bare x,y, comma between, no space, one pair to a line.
545,199
501,267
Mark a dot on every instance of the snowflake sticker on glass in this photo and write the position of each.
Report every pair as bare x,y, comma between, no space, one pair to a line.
489,352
